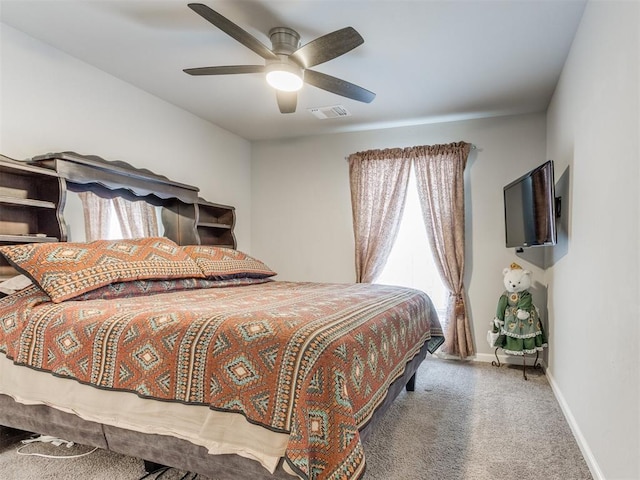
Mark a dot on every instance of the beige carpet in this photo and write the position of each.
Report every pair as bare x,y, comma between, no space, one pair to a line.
468,421
478,422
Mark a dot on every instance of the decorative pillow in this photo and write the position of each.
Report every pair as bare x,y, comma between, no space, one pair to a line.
66,270
218,263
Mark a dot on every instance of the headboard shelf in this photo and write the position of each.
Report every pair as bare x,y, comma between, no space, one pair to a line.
27,238
33,194
26,202
215,224
31,203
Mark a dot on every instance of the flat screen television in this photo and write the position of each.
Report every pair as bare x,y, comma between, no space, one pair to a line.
530,209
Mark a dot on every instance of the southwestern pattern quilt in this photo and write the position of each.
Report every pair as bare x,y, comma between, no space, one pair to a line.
311,360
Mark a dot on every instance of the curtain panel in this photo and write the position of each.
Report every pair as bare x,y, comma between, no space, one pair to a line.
379,180
440,179
97,215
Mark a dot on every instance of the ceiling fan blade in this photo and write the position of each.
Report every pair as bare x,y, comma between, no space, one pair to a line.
327,47
338,86
287,101
233,30
225,70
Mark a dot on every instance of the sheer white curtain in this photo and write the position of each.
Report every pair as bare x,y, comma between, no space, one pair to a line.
378,181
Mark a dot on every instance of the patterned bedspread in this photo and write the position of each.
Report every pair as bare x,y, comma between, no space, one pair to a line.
312,360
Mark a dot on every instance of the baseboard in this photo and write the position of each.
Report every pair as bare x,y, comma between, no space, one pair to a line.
596,473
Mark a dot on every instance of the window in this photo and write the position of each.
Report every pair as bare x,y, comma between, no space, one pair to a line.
114,232
410,263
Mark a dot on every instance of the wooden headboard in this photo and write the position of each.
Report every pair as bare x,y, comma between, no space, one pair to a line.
33,195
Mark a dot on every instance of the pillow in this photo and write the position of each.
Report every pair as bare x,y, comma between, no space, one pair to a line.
218,263
66,270
147,287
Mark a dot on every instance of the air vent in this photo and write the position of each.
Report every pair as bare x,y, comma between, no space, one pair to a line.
335,111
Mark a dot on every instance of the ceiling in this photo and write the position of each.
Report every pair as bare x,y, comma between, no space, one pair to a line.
426,60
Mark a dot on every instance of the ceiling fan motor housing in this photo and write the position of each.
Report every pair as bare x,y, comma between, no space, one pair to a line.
284,40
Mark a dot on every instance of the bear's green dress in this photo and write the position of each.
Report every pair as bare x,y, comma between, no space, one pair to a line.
515,336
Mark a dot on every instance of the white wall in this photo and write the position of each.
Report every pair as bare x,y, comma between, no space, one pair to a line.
593,127
301,203
50,102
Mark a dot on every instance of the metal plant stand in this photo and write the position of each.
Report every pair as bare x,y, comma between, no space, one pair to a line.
536,364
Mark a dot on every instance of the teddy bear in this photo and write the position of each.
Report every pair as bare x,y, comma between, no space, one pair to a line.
516,327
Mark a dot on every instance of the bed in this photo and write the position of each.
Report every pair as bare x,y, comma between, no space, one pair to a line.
195,357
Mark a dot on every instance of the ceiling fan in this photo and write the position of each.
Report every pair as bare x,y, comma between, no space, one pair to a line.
287,65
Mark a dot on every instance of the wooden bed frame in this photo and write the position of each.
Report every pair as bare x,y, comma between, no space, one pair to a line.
96,174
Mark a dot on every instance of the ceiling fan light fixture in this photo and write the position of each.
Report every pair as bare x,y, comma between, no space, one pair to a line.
284,76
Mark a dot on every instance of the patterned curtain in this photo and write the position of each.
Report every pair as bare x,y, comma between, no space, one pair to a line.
137,219
97,215
440,179
379,181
